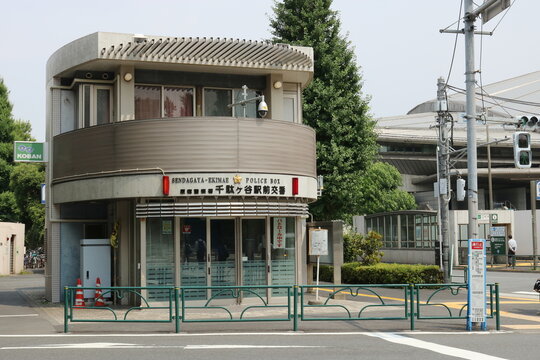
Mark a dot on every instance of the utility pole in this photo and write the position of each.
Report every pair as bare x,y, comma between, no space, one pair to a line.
443,177
533,220
470,82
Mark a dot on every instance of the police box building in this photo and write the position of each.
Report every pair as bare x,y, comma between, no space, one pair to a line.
177,161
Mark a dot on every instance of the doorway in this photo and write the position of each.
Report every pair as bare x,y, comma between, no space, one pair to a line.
223,252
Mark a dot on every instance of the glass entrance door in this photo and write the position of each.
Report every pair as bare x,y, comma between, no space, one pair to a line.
223,253
254,253
193,255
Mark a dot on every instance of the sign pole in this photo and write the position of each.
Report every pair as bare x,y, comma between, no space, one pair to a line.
318,245
476,295
317,289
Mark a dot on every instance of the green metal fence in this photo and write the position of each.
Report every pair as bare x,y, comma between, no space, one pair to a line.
127,314
249,296
361,302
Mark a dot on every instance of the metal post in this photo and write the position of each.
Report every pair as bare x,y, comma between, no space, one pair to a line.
176,311
295,307
490,190
411,299
67,303
490,180
533,220
470,82
497,316
444,181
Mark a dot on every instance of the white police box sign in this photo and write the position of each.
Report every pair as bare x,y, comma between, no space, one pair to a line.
318,244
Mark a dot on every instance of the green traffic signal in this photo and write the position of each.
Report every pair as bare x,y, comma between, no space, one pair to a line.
525,158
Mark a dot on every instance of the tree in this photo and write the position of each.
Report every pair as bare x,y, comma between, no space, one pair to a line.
333,102
9,210
380,191
6,125
20,184
25,182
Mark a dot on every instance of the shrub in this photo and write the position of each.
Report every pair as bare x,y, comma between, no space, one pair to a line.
326,273
364,248
356,273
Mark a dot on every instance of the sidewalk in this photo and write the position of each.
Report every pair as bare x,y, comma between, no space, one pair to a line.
54,314
521,266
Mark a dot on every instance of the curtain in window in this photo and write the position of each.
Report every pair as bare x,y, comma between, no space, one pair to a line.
147,102
177,102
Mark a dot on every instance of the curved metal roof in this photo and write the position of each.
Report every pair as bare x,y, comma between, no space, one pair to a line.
110,49
210,51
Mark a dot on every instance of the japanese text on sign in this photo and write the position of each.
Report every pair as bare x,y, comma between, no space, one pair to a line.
279,233
477,280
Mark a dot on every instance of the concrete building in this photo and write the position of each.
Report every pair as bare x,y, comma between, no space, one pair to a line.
149,161
409,142
11,248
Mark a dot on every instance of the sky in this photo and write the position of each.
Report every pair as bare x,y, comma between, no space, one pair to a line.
397,43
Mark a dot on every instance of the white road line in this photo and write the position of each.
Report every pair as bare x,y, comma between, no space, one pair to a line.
86,346
526,292
241,334
22,315
135,346
221,347
441,349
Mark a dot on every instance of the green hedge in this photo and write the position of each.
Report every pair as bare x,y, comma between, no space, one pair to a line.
354,273
326,273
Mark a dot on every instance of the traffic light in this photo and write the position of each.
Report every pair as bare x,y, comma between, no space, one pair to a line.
522,150
527,122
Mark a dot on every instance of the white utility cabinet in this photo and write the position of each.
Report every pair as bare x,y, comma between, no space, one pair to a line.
95,263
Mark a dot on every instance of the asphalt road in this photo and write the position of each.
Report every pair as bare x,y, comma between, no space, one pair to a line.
27,333
360,345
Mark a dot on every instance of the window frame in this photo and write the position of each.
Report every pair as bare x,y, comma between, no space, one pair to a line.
162,98
204,100
92,114
293,95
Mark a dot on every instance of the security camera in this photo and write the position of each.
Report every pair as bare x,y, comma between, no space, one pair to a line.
262,109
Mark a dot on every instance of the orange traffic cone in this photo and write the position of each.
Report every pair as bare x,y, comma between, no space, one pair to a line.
79,296
99,296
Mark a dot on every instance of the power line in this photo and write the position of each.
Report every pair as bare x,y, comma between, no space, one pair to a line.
455,43
502,17
515,101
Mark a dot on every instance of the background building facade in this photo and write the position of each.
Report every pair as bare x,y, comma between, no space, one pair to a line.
11,248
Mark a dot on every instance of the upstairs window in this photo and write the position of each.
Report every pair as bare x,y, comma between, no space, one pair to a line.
154,102
216,102
147,102
95,105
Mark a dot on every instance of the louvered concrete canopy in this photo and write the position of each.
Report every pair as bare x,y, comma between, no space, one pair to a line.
215,52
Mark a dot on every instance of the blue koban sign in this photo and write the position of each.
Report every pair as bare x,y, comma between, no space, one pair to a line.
537,189
476,298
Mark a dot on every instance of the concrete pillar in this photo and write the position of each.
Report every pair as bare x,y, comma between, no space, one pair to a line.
126,94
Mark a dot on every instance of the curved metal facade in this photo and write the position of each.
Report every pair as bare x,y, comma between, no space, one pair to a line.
194,144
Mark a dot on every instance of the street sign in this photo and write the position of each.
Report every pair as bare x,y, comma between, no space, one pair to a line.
29,151
537,189
319,242
494,9
476,309
498,240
